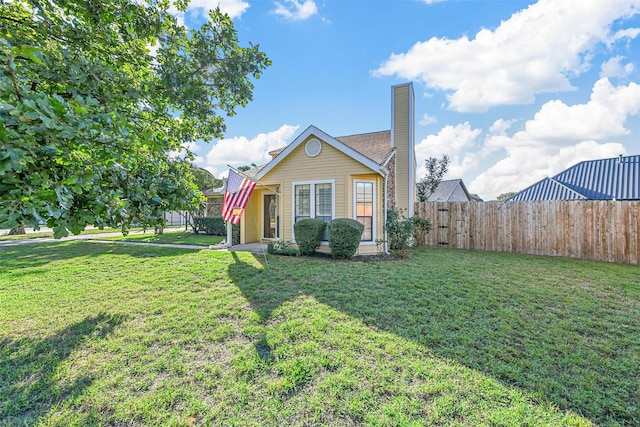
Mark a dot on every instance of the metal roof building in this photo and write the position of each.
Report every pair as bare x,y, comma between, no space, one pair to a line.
606,179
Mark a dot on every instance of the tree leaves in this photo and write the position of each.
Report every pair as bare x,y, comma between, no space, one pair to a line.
90,117
436,170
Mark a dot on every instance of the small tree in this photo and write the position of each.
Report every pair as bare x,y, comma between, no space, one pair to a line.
505,196
436,169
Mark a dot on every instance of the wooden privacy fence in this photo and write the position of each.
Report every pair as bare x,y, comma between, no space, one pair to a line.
597,230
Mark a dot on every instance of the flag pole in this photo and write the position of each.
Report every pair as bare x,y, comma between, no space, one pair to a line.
229,234
242,174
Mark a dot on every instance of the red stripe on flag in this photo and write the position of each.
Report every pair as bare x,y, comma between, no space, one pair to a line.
236,197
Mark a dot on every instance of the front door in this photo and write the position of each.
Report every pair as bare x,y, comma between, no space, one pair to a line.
270,219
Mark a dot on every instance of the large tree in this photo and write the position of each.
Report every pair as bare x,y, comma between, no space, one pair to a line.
94,98
204,179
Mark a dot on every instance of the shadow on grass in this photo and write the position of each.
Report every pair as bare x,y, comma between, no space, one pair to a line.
29,386
36,255
563,336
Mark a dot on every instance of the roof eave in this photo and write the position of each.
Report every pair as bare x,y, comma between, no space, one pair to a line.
340,146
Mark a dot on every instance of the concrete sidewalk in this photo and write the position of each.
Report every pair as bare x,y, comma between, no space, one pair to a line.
255,248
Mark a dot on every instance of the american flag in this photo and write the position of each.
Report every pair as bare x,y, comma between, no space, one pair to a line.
235,198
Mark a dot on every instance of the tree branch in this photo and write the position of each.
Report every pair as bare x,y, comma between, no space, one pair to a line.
12,72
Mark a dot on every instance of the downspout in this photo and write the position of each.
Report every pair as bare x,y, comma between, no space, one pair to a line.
385,174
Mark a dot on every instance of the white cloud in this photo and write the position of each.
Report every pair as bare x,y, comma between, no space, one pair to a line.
614,68
452,141
242,151
427,120
501,126
296,10
559,136
536,50
233,8
524,166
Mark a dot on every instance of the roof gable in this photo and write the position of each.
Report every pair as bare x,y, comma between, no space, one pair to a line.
547,189
334,142
445,190
604,179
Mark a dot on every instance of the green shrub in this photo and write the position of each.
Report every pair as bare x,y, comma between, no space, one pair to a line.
344,237
400,230
308,234
212,225
282,247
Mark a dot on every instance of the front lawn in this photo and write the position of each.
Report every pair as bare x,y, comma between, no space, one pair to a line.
136,335
174,237
44,234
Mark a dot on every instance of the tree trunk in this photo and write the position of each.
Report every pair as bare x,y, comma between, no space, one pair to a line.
18,230
158,231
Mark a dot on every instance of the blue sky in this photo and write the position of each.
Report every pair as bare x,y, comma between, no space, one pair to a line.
511,90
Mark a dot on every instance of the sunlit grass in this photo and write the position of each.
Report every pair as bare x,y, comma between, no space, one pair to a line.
114,334
176,237
43,234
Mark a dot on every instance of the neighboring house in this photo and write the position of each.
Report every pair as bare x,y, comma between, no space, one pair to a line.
617,178
452,190
322,176
214,199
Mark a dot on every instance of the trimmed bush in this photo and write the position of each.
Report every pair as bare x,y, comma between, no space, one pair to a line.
212,225
308,234
344,237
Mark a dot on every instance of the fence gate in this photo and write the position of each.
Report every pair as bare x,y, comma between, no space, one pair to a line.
443,226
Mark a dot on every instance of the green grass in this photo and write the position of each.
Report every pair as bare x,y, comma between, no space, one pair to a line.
42,234
174,237
112,334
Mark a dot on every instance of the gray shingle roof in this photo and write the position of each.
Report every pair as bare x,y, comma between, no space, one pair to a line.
605,179
444,191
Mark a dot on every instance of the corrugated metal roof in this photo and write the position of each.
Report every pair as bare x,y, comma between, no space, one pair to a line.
605,179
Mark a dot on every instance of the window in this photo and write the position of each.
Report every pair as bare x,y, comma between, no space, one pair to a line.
314,200
364,208
303,201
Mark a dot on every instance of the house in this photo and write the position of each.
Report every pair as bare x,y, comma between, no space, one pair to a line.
321,176
617,178
452,190
214,198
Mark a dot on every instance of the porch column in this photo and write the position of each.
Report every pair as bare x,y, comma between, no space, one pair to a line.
229,234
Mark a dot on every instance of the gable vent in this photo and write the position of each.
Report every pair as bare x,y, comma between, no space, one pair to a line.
313,147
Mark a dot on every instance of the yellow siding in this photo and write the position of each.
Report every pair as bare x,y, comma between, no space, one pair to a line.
251,224
401,129
330,164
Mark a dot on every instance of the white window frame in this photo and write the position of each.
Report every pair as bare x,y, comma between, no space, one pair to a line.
374,207
312,203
